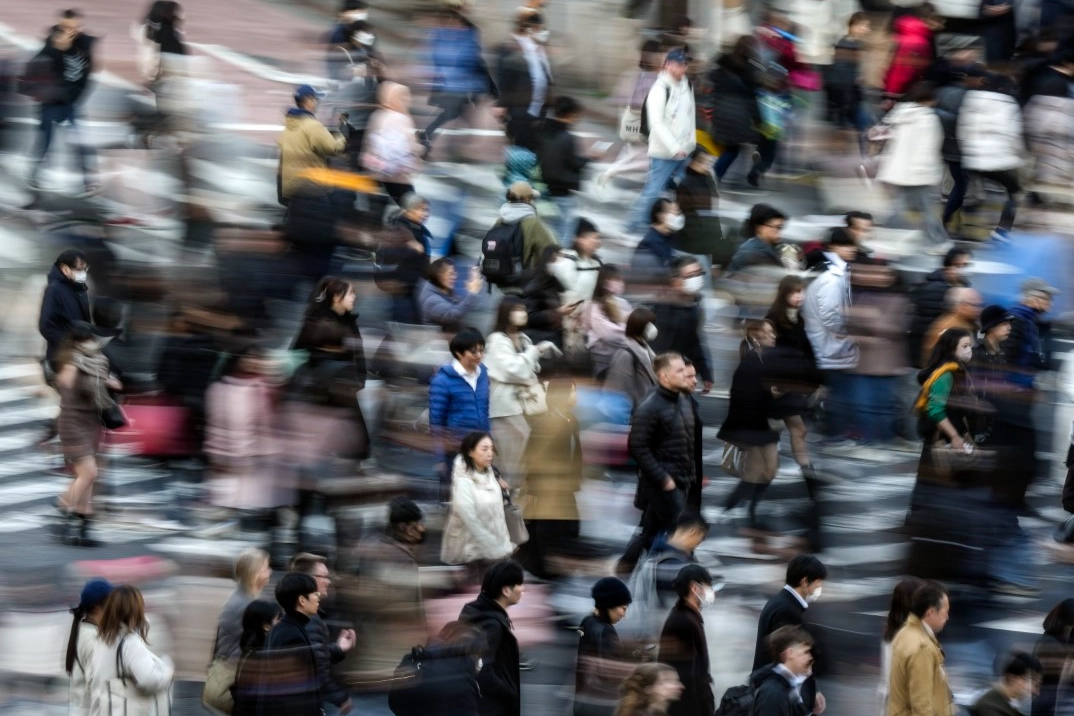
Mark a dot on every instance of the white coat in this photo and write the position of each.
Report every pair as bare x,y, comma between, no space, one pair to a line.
912,156
509,369
827,300
671,117
476,527
990,132
79,690
152,674
577,275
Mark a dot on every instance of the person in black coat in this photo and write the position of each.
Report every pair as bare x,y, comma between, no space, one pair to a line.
294,690
561,164
736,116
683,645
66,300
661,443
448,682
778,687
403,254
693,497
680,317
499,678
602,664
928,298
520,84
805,577
697,195
544,306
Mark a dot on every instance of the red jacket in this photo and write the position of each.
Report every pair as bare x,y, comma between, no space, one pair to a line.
913,53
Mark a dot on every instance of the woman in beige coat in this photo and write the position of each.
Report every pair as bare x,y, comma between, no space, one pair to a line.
392,153
476,531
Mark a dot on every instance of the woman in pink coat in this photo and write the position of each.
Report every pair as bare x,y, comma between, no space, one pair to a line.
392,152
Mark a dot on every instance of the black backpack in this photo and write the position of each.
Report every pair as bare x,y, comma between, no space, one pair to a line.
645,112
405,697
501,254
736,701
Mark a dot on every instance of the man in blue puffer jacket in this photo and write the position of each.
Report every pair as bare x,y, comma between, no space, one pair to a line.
459,398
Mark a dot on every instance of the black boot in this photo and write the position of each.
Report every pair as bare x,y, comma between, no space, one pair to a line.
84,538
813,516
65,527
755,497
742,489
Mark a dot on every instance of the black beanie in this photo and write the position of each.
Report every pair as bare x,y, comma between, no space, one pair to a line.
610,592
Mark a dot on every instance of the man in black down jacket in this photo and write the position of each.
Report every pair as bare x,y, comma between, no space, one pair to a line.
777,686
293,690
928,298
499,678
683,645
661,442
66,300
562,165
325,651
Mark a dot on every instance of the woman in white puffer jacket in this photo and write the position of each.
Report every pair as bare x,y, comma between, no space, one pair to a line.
912,163
990,139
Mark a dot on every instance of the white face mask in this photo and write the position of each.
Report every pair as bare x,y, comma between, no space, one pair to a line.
814,595
541,36
965,355
519,318
708,596
650,333
356,16
365,38
615,287
79,276
675,222
694,284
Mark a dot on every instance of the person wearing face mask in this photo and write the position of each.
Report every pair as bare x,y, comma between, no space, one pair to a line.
524,77
777,686
805,579
698,198
354,56
1017,686
827,301
66,300
604,319
515,389
683,644
85,383
602,663
350,12
631,370
657,248
680,317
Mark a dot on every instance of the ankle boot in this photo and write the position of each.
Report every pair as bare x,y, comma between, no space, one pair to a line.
742,489
64,527
85,539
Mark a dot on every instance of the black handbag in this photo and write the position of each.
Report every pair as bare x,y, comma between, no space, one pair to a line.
113,417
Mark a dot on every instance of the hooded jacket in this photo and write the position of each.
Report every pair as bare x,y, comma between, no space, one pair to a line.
990,132
561,164
499,678
827,300
64,302
913,155
773,694
735,112
61,76
913,53
535,235
304,144
671,117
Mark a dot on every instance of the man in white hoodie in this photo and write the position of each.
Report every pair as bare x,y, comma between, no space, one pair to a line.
827,300
670,114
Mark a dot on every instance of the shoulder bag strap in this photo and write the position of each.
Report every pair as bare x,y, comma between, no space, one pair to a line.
119,661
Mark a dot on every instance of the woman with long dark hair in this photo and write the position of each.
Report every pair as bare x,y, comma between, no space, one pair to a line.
85,618
1054,651
258,619
746,426
942,405
901,599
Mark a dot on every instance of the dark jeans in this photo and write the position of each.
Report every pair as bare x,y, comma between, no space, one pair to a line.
1007,179
839,403
660,513
765,147
957,195
874,402
51,115
453,107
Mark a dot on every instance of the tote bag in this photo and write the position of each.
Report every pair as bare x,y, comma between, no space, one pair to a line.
125,698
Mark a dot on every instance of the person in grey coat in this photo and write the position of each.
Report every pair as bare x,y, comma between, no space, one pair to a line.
631,370
252,573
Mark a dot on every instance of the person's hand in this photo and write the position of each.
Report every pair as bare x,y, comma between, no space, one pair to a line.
63,40
706,387
680,155
503,484
474,282
345,707
114,384
415,245
546,347
819,705
669,484
569,308
776,392
346,640
958,444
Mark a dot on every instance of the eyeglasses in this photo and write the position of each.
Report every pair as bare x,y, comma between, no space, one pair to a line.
326,575
777,227
314,595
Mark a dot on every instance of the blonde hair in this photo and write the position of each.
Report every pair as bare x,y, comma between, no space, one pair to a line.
123,608
247,566
635,698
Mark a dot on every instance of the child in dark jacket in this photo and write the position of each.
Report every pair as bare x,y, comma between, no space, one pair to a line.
562,165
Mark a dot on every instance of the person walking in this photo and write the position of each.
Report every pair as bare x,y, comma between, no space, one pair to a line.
736,114
531,236
684,645
251,573
85,384
763,240
746,426
57,77
963,311
86,617
524,77
802,587
1053,649
631,370
929,296
121,653
392,152
918,679
438,303
578,266
256,620
476,530
402,257
633,158
912,164
654,253
547,314
499,676
562,164
661,443
602,664
290,648
305,143
1018,684
671,118
459,395
65,301
649,690
604,318
680,317
779,685
898,611
515,389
